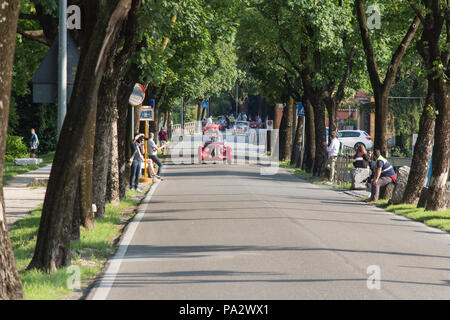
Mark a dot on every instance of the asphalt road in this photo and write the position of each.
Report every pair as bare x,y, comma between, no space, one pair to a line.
226,232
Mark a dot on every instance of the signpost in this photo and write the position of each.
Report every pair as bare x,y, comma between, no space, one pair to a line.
147,115
300,110
62,64
182,116
136,99
205,105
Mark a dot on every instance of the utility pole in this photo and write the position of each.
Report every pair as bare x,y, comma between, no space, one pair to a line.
62,65
182,116
237,99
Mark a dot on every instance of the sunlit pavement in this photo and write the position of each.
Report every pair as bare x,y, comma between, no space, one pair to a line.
226,232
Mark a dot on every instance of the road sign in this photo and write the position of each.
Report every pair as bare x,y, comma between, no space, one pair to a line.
147,113
45,79
205,105
152,103
137,96
300,110
269,124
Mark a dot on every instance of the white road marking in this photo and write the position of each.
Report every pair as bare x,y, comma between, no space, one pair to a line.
103,289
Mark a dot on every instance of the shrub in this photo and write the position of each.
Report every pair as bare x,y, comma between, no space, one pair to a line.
15,148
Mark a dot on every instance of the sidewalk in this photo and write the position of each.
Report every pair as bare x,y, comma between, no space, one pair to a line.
20,199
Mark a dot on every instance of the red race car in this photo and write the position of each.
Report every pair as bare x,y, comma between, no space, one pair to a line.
211,129
255,125
215,150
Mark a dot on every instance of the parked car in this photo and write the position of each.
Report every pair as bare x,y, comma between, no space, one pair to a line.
256,125
355,138
241,128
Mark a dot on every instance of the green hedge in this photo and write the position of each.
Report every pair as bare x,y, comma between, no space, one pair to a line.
15,148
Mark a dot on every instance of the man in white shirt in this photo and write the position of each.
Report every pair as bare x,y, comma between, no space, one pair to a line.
153,151
332,150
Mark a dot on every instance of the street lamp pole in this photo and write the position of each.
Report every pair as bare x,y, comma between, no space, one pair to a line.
237,98
62,65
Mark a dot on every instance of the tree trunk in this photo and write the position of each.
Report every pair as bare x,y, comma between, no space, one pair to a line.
424,145
297,143
332,108
441,88
310,137
10,285
421,159
112,190
381,113
199,110
86,214
103,143
320,133
53,239
286,130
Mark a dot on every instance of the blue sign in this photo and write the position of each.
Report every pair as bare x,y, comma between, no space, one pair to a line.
205,105
146,113
300,110
152,103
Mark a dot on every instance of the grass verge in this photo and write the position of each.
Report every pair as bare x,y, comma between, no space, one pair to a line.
10,169
436,219
89,254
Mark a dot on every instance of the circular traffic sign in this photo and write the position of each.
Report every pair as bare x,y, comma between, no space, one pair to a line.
137,96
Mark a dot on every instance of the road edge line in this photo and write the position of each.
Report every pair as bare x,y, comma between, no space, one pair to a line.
101,291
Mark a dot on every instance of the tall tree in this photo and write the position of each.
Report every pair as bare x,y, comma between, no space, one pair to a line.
424,145
437,61
123,48
53,240
10,285
381,87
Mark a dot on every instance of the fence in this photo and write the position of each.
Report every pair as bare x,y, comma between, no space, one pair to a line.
189,128
344,165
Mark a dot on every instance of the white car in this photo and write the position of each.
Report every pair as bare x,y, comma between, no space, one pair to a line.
241,128
355,138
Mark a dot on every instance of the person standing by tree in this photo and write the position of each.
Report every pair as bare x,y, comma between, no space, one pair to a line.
162,136
332,150
138,158
34,144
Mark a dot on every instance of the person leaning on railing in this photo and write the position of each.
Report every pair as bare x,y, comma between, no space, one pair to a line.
361,159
